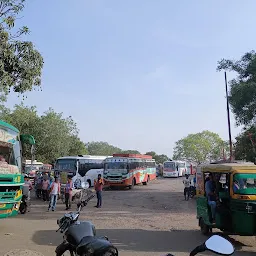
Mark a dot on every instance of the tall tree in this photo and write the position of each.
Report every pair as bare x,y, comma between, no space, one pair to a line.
200,147
245,145
101,148
130,151
55,135
243,87
20,63
158,158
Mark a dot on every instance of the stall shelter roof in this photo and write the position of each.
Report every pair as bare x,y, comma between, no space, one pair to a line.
133,156
228,166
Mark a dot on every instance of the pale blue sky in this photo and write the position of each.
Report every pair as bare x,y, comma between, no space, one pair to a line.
139,74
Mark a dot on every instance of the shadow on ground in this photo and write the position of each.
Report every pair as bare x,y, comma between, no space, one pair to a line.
140,240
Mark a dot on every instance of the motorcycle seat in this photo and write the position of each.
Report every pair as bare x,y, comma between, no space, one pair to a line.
93,245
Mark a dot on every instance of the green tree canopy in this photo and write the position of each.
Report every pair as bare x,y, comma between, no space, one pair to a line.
20,63
243,87
130,151
199,147
55,135
243,147
100,148
158,158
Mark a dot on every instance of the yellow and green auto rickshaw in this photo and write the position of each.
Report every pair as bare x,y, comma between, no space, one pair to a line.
234,193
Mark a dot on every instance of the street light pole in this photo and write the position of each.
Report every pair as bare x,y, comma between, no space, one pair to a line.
228,116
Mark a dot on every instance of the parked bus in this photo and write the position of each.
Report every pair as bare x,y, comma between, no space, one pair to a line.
174,168
190,168
83,168
11,178
127,170
32,168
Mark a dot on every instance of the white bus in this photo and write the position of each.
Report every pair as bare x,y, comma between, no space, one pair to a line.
174,168
83,168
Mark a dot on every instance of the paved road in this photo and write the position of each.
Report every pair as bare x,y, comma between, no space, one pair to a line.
148,220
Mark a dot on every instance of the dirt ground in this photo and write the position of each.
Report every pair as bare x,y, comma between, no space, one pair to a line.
148,220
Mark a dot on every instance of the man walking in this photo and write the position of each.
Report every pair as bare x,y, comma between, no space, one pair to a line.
98,185
54,193
186,183
68,193
27,187
45,187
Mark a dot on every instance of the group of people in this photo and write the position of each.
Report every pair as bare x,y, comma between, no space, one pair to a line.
51,190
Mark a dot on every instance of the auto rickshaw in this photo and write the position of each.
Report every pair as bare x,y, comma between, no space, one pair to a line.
234,186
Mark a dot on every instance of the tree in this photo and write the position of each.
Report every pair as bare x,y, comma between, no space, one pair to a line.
55,136
130,151
243,87
20,63
243,147
199,147
77,147
158,158
101,148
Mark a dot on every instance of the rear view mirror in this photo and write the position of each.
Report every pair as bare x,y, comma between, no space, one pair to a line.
220,245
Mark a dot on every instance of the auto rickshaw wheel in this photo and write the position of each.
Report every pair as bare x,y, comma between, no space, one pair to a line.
205,229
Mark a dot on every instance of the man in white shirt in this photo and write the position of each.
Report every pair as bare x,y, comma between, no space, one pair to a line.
186,183
27,187
54,193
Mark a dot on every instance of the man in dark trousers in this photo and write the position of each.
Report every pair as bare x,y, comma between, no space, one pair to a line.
98,185
68,193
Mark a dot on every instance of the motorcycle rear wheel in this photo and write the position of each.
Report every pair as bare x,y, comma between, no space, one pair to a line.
23,208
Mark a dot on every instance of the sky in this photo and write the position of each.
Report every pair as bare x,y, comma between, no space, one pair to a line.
138,74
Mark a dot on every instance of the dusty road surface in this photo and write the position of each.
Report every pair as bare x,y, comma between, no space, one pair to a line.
148,220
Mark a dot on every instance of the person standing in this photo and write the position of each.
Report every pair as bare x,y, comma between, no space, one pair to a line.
68,193
27,187
45,187
54,193
211,195
186,183
98,185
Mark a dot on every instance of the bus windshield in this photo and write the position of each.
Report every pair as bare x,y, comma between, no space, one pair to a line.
66,165
116,165
170,165
244,184
10,153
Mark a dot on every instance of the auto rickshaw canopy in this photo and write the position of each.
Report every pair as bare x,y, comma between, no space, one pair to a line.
228,167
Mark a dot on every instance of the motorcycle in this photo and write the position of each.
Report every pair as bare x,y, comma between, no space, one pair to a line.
23,204
80,237
192,191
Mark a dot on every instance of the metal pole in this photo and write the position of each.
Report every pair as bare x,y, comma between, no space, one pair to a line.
228,115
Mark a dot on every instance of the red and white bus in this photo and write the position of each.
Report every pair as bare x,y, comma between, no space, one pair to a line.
174,168
127,170
190,168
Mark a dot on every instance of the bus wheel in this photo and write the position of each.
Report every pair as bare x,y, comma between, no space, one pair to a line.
90,183
133,183
205,229
146,182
